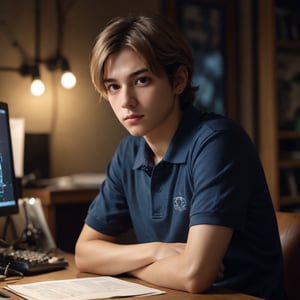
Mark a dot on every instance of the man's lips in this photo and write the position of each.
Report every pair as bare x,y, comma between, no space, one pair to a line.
133,117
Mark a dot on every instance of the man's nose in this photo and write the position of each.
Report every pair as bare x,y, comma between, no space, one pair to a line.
129,97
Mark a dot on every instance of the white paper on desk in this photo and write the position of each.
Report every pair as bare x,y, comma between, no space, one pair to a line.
82,289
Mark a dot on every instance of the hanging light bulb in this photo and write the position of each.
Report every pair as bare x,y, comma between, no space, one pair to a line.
68,79
37,87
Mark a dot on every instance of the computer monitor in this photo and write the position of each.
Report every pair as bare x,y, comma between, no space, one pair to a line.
8,195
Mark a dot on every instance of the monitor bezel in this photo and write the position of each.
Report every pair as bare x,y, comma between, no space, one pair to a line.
11,209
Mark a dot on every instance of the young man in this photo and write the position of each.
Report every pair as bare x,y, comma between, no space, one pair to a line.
189,183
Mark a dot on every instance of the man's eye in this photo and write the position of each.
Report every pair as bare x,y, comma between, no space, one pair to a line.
143,80
112,87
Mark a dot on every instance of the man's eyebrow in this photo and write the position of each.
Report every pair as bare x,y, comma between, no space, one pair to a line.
133,74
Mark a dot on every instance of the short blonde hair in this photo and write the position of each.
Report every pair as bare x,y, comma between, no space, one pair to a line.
154,39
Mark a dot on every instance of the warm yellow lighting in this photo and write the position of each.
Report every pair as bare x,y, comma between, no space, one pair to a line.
31,201
37,87
68,80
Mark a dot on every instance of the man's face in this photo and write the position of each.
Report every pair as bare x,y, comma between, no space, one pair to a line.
145,104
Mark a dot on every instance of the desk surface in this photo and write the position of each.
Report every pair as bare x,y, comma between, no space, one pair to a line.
72,272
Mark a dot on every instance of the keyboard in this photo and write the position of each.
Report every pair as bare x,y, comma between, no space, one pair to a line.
30,262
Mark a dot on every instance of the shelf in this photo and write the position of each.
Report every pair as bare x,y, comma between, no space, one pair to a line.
278,100
289,163
289,200
293,45
289,134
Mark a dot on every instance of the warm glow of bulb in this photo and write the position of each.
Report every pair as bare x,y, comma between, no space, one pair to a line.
37,87
68,80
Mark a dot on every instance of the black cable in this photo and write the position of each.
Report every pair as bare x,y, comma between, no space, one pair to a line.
60,25
9,69
13,41
37,31
61,13
8,273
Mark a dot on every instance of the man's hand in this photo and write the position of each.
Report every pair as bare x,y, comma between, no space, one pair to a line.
199,260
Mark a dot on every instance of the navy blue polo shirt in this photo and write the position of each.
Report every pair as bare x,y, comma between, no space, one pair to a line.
210,174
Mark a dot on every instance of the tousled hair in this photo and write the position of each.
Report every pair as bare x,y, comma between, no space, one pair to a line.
158,42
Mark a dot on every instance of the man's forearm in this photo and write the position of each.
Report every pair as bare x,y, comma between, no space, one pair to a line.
174,272
106,258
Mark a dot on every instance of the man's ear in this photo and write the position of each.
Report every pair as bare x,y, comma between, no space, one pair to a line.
180,80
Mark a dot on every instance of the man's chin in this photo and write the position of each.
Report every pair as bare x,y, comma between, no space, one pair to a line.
135,131
135,134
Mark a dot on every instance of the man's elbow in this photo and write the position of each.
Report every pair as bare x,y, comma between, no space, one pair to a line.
197,283
80,263
196,286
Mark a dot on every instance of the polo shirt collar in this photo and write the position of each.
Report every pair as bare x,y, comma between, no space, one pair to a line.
180,143
141,159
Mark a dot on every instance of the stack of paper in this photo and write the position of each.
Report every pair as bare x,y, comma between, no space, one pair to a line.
82,289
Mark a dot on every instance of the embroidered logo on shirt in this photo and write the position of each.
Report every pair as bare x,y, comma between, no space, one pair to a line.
179,203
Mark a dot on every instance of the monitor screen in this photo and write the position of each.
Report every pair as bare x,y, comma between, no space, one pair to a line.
8,197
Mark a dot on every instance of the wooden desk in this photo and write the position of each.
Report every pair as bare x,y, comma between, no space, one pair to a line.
65,210
71,272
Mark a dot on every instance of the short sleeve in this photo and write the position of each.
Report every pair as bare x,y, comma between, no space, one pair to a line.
221,169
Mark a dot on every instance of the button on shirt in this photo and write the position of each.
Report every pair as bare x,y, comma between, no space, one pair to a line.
210,174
